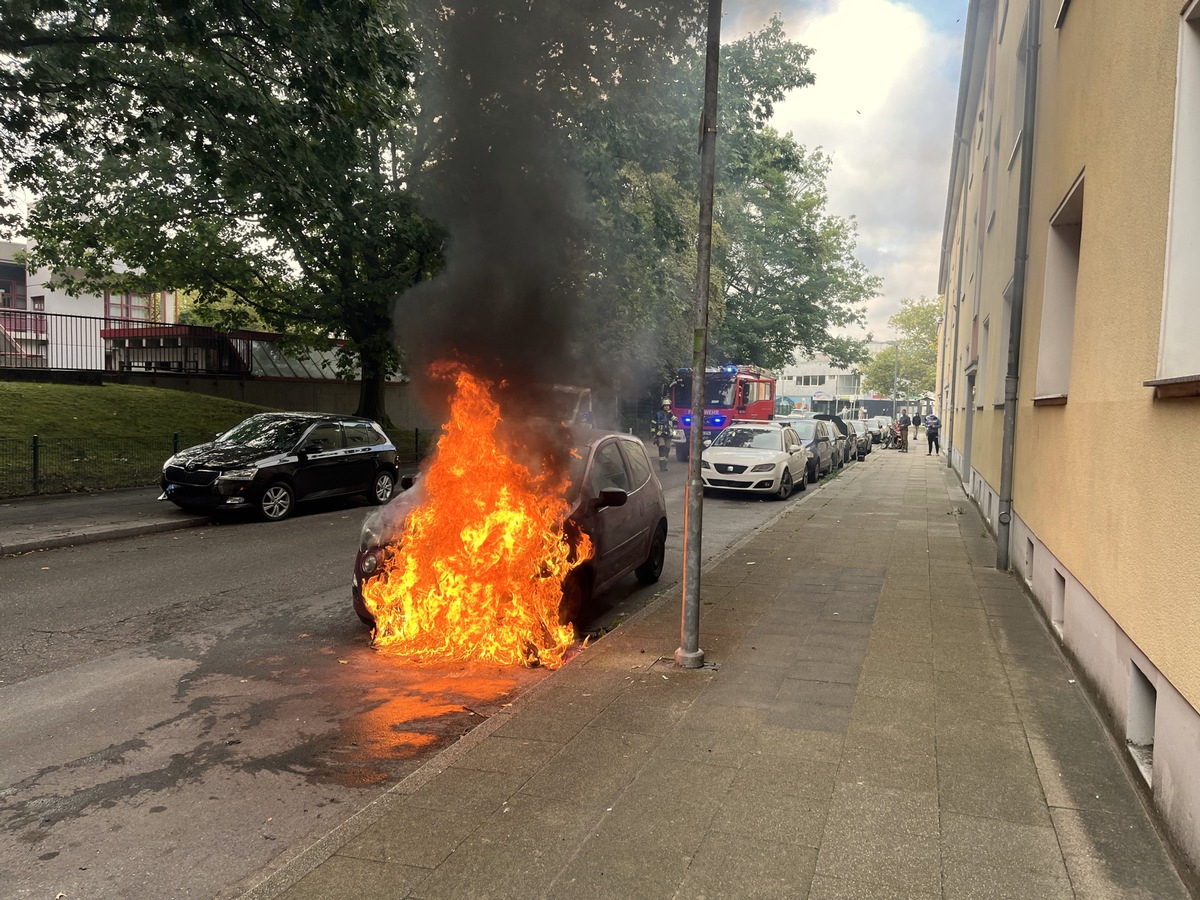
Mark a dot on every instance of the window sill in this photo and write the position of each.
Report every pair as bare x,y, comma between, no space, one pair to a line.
1175,388
1050,400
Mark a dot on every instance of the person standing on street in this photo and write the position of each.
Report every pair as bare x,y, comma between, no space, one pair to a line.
660,430
905,423
933,426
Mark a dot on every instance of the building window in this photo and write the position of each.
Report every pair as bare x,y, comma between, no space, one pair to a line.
1179,345
1058,300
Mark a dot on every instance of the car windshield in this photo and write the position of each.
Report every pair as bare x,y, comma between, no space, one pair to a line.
750,438
266,432
807,429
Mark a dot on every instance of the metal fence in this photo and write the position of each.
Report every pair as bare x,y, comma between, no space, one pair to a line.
53,341
41,465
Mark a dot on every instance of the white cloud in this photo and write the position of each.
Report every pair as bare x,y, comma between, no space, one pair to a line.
883,108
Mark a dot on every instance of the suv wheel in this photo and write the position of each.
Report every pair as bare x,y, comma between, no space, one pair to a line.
382,488
277,502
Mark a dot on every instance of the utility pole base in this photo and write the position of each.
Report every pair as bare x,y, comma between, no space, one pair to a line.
689,659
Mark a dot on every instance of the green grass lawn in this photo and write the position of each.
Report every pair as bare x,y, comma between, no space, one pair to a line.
95,437
116,411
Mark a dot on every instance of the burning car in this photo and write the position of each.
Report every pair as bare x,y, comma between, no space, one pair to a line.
271,461
615,512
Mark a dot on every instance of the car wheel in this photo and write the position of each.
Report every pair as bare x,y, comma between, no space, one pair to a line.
651,570
576,597
381,490
785,486
277,502
814,474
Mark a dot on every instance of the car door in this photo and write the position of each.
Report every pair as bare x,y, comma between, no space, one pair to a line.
824,447
614,529
322,470
361,454
797,460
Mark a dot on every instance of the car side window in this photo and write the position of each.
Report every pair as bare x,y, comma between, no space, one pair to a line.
639,466
608,469
324,437
790,439
360,434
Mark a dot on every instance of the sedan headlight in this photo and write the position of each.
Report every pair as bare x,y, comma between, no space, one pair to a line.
764,467
237,475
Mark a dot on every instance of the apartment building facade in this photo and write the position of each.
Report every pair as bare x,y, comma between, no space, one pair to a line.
1073,227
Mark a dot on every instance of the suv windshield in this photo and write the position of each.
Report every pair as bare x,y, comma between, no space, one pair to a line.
750,438
266,432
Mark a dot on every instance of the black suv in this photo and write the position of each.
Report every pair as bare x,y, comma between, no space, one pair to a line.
271,461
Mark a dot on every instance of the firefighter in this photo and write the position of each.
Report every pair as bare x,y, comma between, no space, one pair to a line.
660,431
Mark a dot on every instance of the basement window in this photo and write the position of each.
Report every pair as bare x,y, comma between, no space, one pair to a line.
1139,724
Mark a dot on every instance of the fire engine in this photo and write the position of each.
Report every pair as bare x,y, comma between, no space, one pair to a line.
730,392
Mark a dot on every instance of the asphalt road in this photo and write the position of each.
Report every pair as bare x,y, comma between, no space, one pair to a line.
181,712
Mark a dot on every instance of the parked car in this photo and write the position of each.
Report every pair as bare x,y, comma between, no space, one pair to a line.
817,437
758,457
845,444
614,497
272,461
862,438
879,426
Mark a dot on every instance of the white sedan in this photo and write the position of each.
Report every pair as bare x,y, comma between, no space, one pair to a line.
760,457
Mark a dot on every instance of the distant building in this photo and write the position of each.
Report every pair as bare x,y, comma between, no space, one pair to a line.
1086,478
814,384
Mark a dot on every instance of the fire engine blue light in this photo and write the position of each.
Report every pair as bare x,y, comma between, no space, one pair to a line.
718,421
731,370
687,420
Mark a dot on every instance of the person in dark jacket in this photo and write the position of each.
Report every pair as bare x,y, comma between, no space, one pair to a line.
905,423
933,426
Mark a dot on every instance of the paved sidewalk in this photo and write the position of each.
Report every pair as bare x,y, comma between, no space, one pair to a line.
63,520
882,715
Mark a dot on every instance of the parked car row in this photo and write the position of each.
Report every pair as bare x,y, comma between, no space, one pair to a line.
773,458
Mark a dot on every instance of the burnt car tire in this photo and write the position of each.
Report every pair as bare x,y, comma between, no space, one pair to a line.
382,488
576,598
277,502
651,570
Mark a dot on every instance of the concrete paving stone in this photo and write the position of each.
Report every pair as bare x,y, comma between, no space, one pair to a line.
560,713
870,710
824,693
598,763
965,661
811,779
468,791
1116,854
963,881
716,747
899,771
905,737
413,836
735,865
773,650
809,716
986,794
669,782
517,852
497,753
364,879
894,667
1089,780
842,631
879,809
773,817
815,576
892,688
969,739
826,888
908,861
753,687
821,670
731,621
999,844
827,649
625,862
799,745
989,709
784,623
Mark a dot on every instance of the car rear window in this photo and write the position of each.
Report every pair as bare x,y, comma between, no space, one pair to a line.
806,429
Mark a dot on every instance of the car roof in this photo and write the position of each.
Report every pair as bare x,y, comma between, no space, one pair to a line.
763,423
311,416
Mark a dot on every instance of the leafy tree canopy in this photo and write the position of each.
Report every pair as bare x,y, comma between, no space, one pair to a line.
916,326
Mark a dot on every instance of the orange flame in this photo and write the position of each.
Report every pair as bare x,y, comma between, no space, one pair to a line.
477,573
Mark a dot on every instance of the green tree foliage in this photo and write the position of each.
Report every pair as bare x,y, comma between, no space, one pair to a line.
228,150
916,326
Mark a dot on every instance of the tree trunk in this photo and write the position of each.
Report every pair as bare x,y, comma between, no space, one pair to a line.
370,395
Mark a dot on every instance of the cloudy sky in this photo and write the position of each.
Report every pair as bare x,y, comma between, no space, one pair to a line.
883,108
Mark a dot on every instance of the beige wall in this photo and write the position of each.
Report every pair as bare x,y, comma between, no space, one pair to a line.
1105,481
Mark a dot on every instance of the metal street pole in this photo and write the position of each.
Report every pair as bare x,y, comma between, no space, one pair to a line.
895,376
689,655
